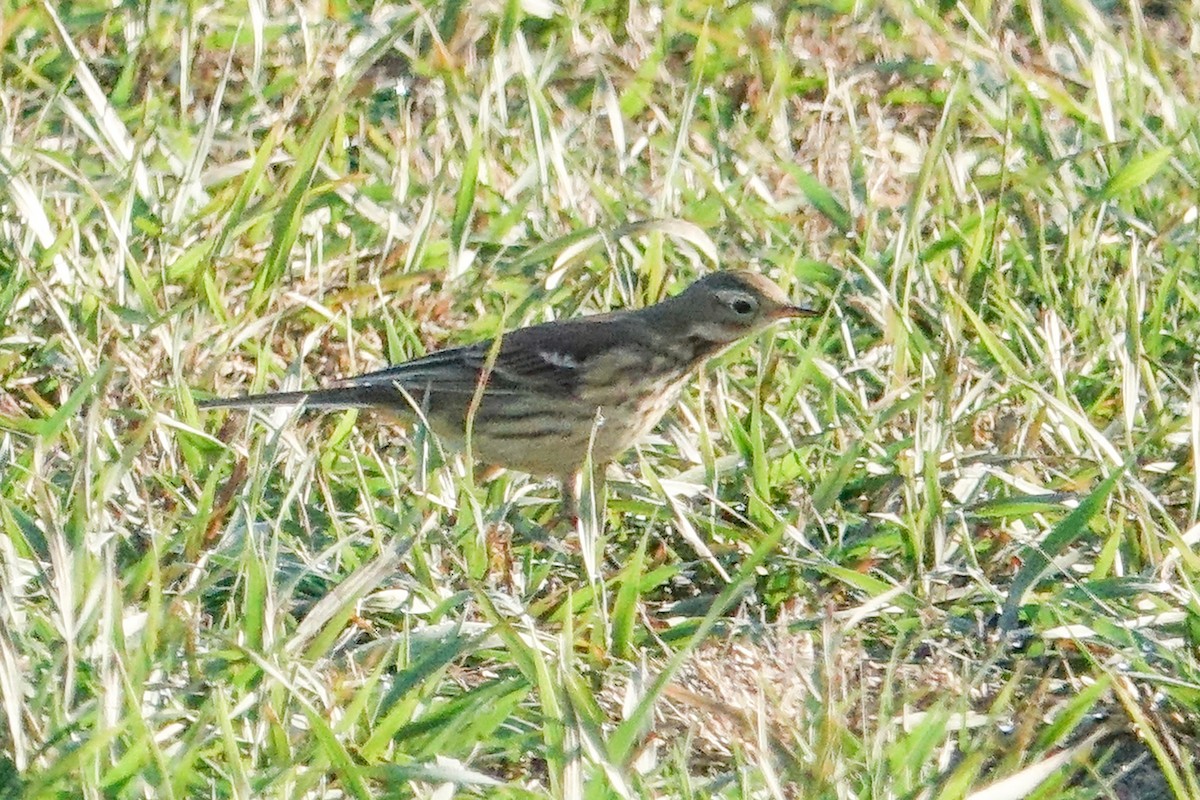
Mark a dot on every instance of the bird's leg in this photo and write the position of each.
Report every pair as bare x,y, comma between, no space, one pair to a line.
590,526
571,485
583,499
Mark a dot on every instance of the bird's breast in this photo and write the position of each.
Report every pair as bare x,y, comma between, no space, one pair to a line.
628,408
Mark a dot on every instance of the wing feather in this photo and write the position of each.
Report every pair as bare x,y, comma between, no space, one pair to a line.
543,359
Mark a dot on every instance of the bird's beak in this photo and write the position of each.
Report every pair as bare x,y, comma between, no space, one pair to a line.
793,312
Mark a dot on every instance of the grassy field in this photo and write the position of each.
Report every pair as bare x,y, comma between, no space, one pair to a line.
940,542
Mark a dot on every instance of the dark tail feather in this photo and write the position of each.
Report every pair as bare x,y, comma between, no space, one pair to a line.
331,398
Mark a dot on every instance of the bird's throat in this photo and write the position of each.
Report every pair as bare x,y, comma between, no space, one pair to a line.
704,342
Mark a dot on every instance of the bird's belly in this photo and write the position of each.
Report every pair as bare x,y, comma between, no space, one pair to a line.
623,421
555,455
555,440
540,435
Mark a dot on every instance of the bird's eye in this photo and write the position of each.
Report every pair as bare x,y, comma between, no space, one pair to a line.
742,306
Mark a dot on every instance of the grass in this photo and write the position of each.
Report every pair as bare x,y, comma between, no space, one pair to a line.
940,543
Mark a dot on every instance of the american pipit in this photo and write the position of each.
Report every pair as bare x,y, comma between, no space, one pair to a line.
544,397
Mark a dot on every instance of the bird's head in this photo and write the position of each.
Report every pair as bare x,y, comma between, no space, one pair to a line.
725,306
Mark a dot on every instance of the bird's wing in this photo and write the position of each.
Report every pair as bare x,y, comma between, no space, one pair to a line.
541,358
550,360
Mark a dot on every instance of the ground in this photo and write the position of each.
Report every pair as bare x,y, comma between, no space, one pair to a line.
940,541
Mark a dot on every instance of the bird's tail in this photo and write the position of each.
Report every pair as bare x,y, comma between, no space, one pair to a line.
349,396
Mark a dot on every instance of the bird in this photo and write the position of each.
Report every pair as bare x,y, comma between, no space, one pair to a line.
547,399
